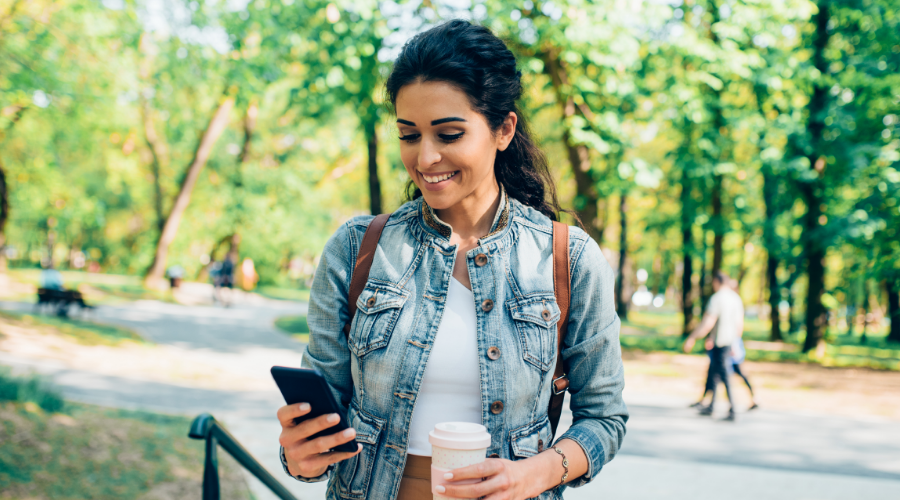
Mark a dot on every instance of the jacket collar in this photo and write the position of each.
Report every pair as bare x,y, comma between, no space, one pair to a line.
433,222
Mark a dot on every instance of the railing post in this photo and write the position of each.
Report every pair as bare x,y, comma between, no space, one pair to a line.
211,470
205,427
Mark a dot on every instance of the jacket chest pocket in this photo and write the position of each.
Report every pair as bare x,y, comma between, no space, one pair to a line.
535,318
377,310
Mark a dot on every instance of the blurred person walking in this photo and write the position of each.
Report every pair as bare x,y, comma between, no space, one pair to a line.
724,323
223,278
735,358
248,274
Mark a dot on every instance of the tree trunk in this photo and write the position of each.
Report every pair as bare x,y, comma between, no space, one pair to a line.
687,249
719,126
587,197
774,299
770,239
374,183
159,156
718,225
811,189
215,128
893,308
249,126
621,299
4,216
705,281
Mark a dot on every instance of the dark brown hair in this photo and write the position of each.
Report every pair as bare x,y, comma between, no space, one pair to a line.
478,63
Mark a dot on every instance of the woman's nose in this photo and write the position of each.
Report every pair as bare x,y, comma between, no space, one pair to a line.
428,154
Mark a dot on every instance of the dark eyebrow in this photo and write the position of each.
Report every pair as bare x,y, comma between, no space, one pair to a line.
445,120
406,122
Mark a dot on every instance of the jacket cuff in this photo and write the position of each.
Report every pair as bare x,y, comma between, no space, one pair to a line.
593,450
302,479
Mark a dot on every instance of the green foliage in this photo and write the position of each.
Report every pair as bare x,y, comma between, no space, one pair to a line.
294,325
700,112
29,388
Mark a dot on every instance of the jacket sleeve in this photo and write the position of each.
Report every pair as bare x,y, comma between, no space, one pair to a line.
327,350
593,359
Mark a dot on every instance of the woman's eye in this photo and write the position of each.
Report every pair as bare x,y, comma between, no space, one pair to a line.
410,137
450,137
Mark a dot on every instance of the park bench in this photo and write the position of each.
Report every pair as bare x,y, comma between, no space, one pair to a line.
60,300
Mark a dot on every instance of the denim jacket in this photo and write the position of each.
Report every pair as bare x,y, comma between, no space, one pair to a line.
377,374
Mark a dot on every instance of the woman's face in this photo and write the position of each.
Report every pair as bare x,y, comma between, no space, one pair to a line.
447,147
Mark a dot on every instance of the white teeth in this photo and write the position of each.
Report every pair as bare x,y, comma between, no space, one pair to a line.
439,178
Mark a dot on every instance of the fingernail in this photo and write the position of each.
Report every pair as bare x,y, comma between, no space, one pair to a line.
333,418
440,489
349,432
304,406
448,476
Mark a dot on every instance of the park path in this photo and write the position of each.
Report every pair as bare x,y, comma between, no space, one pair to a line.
669,451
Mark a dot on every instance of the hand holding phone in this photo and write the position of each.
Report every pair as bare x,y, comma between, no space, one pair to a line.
314,432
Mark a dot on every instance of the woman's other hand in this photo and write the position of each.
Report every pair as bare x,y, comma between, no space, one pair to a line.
503,480
311,457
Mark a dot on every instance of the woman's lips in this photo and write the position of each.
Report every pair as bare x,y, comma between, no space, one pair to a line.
441,184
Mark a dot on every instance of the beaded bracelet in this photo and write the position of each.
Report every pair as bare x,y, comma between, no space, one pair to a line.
565,465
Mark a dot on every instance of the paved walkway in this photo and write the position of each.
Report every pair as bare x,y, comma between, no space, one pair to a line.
669,451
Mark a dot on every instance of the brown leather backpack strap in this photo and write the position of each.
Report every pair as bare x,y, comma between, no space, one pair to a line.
561,285
363,264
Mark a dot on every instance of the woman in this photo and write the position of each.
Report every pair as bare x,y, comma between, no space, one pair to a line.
457,321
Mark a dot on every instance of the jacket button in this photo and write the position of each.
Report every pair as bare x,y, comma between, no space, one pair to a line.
540,445
370,302
494,353
487,305
497,407
545,314
493,455
481,259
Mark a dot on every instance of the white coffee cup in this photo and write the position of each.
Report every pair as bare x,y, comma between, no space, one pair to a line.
455,445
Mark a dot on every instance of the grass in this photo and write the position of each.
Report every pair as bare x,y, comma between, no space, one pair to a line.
53,449
97,453
279,293
661,331
296,326
29,389
83,332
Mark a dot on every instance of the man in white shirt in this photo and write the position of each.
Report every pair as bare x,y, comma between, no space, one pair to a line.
725,319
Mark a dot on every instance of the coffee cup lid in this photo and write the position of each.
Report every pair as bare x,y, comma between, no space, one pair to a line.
460,436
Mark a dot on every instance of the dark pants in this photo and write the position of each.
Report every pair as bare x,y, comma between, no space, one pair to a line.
718,366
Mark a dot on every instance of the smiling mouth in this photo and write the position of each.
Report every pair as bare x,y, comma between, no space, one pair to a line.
434,179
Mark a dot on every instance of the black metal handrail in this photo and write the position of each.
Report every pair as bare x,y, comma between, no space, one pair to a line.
205,427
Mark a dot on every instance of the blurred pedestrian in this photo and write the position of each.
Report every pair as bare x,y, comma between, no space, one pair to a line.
723,322
223,279
248,274
736,357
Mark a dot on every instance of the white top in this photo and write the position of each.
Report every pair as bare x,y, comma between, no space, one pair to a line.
451,386
728,309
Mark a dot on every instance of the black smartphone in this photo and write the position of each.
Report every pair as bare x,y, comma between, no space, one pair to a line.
301,385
